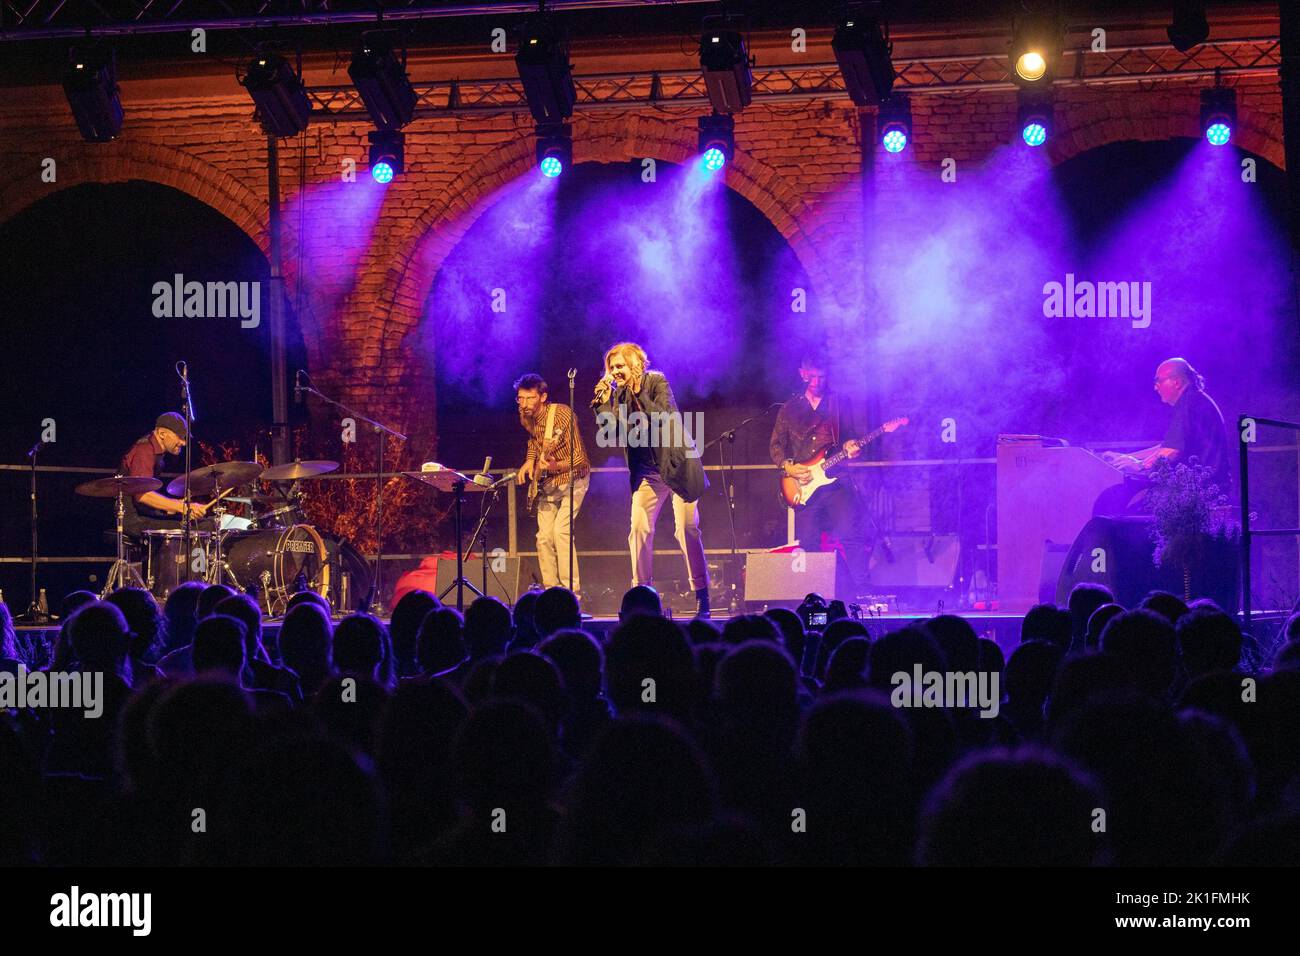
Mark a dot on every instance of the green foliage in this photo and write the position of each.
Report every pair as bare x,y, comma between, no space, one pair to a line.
1188,508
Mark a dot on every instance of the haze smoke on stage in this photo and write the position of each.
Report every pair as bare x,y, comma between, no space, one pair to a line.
602,256
338,223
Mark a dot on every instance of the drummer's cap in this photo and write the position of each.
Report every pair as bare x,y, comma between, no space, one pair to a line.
173,423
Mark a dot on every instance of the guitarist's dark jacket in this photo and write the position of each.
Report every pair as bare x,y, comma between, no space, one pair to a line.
682,472
801,431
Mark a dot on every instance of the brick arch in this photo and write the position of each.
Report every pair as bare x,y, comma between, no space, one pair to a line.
80,163
615,137
1161,114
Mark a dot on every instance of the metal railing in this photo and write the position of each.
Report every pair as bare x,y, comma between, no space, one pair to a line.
1245,422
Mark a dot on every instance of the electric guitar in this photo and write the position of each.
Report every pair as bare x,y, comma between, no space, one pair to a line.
535,484
796,495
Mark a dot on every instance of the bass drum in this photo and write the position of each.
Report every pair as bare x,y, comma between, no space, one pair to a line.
275,564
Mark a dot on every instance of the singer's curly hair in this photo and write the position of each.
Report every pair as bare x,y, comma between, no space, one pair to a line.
632,353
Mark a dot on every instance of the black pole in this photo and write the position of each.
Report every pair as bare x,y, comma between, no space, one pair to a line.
573,426
34,614
373,599
187,524
275,300
1243,452
33,609
727,486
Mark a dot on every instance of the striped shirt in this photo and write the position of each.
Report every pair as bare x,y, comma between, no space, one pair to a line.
559,445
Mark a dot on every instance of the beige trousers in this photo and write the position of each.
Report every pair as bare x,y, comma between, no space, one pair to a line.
647,501
553,534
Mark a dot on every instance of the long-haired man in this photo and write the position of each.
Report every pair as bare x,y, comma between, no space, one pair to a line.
637,403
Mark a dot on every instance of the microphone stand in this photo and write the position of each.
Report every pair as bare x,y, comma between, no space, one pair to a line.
34,614
383,431
573,424
727,483
187,525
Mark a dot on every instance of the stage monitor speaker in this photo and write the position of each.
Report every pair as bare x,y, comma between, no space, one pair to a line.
915,561
504,585
787,577
1117,552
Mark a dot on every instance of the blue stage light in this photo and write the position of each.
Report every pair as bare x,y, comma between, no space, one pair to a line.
894,140
714,159
551,166
1034,134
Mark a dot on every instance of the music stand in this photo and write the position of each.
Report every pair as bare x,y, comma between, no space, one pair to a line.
453,482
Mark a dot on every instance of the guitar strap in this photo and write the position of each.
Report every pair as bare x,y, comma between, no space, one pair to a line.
550,424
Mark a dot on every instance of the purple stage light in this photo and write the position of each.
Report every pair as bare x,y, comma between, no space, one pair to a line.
714,159
1218,134
552,167
382,172
894,140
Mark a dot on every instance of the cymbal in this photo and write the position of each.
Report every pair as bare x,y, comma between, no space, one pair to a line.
299,469
203,481
109,487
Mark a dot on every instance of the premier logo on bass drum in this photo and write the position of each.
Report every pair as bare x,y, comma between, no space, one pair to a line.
300,547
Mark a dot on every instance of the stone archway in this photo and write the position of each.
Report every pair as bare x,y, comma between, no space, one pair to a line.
395,314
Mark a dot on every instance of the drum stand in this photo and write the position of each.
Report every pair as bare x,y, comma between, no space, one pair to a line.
122,574
218,570
458,489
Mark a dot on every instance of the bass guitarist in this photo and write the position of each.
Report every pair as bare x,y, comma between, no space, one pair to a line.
808,423
551,432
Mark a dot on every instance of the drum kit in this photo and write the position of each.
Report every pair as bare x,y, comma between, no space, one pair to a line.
271,552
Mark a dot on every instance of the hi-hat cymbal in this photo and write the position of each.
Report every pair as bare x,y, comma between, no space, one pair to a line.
203,481
126,484
299,469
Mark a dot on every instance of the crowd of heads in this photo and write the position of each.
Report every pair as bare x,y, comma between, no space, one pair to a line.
1152,735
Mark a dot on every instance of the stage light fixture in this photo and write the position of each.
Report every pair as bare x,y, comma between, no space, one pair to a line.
381,81
282,104
1189,27
545,71
1034,116
1036,40
1218,114
895,119
862,50
554,148
717,140
90,84
387,154
725,64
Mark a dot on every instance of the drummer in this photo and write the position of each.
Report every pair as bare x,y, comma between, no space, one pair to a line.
152,509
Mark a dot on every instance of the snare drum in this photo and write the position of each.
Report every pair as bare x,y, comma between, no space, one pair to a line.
165,559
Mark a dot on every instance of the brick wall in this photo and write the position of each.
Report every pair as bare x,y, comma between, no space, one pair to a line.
797,163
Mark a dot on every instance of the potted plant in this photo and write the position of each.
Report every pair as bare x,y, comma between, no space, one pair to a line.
1192,522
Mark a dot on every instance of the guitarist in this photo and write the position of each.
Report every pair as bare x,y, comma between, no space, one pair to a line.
812,420
549,426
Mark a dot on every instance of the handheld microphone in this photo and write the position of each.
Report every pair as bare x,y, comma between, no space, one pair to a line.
608,382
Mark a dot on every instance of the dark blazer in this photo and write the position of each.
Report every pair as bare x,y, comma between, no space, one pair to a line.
682,472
